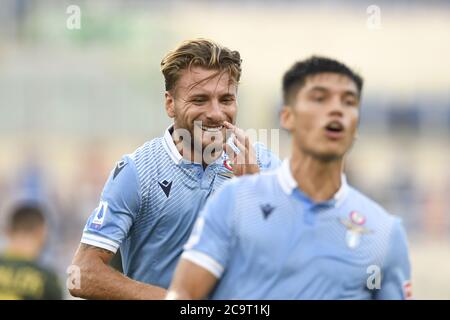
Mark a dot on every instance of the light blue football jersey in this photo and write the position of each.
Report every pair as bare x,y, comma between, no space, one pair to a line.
149,204
265,239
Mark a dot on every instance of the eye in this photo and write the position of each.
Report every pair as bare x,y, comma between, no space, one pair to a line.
227,101
319,98
350,102
198,101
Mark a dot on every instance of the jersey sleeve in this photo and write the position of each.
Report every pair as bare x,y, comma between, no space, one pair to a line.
120,200
266,159
212,236
396,272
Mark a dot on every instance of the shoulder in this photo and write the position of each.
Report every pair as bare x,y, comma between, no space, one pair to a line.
266,159
385,230
378,218
254,184
148,153
47,271
147,158
132,171
372,207
44,271
53,285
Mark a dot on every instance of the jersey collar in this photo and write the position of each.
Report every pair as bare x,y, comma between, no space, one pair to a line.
288,184
170,147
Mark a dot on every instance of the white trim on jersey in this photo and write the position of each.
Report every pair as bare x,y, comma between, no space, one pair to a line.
98,241
285,178
204,261
170,147
288,183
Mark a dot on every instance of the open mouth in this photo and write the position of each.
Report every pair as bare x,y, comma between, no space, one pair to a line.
334,129
335,126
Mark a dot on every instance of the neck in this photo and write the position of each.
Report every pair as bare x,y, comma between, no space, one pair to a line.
24,248
318,179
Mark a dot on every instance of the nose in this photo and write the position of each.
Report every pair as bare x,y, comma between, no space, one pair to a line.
214,113
336,107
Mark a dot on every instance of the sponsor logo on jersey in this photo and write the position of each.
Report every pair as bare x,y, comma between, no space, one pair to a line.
99,216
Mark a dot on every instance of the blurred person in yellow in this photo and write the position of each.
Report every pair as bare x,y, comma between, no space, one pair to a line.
21,275
152,197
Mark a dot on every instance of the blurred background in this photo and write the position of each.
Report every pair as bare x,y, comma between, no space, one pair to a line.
73,100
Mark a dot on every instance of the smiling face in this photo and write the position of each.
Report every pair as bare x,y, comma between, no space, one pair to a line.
201,101
323,117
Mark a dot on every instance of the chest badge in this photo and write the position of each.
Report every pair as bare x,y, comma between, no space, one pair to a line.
229,172
228,164
355,228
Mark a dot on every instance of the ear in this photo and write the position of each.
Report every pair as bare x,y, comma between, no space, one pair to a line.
287,118
169,104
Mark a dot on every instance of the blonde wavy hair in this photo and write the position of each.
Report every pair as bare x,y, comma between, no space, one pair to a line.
200,53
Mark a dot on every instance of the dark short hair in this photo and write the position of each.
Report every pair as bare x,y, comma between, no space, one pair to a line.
26,218
295,77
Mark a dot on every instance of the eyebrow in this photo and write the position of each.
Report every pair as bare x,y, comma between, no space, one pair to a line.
324,89
232,95
198,95
205,95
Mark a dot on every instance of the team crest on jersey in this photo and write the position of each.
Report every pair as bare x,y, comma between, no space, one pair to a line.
357,218
99,216
229,173
228,164
355,228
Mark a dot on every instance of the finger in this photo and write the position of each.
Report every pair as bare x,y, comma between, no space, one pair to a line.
229,151
229,132
239,133
239,144
247,149
241,157
247,153
229,125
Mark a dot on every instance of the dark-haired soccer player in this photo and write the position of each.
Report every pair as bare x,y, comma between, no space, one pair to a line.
151,199
21,276
300,232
